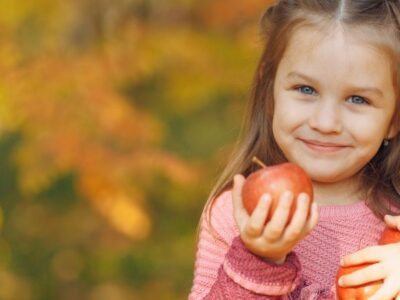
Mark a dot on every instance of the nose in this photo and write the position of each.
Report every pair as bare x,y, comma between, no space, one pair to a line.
326,117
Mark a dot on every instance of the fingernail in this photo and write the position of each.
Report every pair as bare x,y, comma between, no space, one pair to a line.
303,198
340,281
287,196
265,198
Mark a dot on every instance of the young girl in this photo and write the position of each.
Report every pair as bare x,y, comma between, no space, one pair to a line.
325,97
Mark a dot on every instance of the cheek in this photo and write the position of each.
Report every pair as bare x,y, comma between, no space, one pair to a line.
368,145
279,120
368,133
284,126
279,126
289,114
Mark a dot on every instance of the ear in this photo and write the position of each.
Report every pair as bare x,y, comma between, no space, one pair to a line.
393,131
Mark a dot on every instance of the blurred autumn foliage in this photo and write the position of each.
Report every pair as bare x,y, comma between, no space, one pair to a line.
115,119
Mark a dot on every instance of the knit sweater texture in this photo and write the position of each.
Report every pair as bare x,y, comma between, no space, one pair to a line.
225,269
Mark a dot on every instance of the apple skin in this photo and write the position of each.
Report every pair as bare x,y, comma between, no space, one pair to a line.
389,235
359,292
275,180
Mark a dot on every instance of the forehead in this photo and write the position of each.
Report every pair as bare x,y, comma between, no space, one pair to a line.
336,54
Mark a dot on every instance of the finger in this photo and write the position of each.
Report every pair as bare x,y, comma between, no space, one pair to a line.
312,219
240,212
298,222
398,297
368,254
274,228
388,290
366,274
256,222
392,221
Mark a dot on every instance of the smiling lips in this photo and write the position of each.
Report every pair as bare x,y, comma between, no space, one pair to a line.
319,146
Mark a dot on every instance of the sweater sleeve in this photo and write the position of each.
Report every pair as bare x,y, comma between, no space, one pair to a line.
248,276
225,267
212,246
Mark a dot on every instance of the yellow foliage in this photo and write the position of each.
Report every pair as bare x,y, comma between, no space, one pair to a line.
219,14
67,265
75,120
121,210
73,116
14,287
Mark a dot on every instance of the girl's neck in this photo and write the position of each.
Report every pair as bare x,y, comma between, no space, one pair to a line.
337,193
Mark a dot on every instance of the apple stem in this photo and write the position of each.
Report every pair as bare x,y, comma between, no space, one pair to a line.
258,162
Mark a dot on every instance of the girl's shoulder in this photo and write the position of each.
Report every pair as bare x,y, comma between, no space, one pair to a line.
220,220
223,202
222,209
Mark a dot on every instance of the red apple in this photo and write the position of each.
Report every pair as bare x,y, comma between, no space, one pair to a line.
275,180
359,292
364,291
389,235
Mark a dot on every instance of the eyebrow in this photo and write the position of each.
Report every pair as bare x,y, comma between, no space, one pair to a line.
355,88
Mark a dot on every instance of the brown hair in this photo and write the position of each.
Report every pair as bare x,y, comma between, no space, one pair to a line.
377,21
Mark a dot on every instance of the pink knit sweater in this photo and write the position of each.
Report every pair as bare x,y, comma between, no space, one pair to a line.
225,269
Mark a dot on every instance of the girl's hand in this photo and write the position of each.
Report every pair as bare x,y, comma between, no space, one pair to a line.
393,221
386,266
275,239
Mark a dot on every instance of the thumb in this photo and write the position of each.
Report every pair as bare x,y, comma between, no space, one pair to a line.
392,221
240,212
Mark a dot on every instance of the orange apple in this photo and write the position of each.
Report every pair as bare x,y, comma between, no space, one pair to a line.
364,291
389,235
359,292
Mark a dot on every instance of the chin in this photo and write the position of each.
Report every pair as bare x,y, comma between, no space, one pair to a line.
323,176
325,179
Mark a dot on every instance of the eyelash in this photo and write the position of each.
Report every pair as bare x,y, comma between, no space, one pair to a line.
300,88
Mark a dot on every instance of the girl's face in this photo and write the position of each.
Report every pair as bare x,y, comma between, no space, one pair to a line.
334,101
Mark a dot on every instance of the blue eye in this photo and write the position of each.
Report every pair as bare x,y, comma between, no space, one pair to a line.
305,89
357,100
